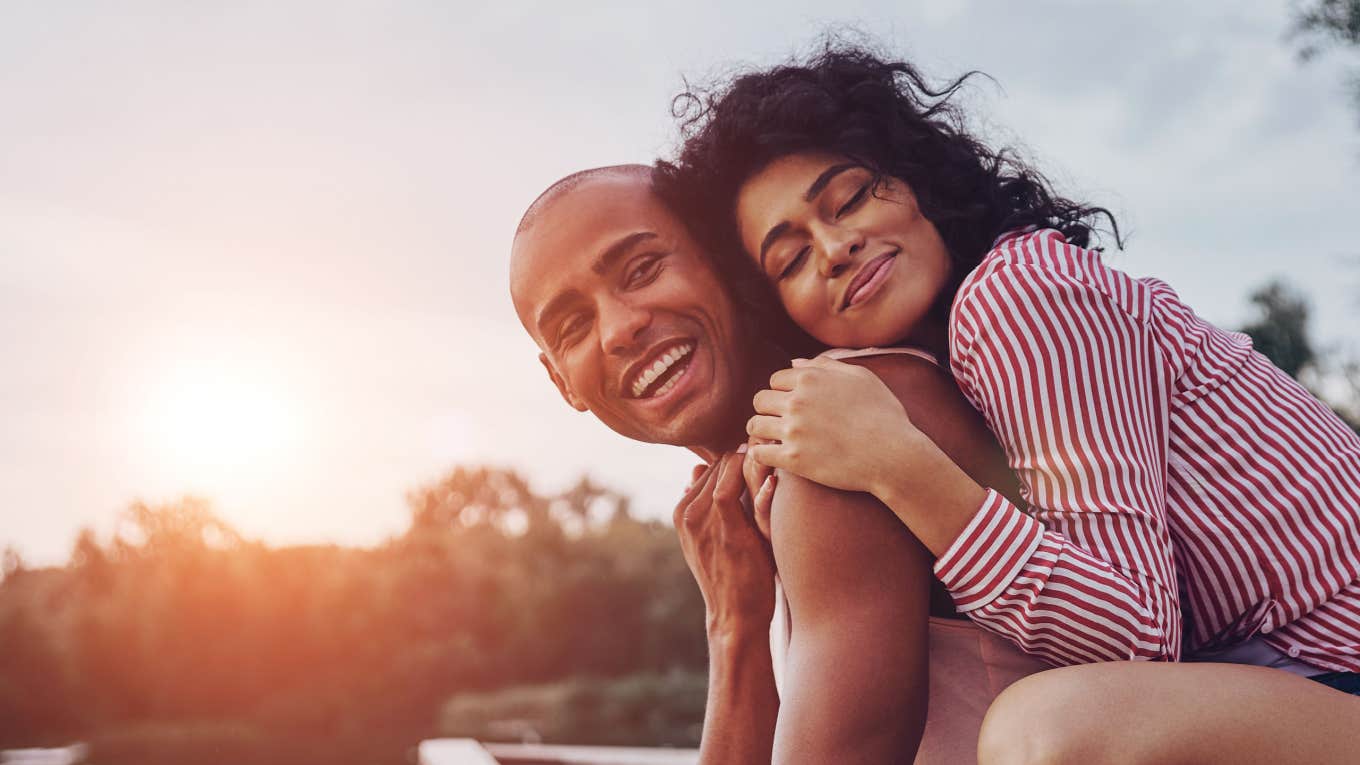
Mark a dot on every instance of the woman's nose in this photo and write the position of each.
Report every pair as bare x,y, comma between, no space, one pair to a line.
837,253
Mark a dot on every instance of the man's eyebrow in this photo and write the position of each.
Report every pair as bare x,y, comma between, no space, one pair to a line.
815,188
618,249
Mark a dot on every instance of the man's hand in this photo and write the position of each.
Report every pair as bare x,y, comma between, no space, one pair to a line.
725,551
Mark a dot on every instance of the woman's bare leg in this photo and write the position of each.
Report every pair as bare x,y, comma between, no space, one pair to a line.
1142,712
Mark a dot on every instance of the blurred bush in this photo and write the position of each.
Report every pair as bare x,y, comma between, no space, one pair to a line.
177,633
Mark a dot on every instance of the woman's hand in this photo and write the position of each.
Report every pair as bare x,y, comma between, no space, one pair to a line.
726,553
833,423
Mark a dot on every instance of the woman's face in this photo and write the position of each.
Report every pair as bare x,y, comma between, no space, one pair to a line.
853,265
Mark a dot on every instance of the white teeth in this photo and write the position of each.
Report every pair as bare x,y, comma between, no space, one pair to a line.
658,368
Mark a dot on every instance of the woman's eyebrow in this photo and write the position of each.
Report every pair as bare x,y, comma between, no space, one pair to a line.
773,234
825,178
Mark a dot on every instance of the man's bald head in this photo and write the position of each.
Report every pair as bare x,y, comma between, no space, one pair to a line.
633,180
642,174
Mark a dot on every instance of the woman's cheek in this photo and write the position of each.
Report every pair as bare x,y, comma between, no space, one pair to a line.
804,308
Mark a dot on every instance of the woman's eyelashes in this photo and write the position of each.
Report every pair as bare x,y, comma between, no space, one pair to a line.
791,267
853,201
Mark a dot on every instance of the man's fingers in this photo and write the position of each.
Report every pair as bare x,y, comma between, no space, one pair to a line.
765,427
697,497
763,502
771,402
729,484
754,472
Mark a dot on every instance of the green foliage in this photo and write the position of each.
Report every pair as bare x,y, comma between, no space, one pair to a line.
177,633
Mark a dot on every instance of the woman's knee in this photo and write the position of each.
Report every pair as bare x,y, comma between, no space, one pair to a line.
1044,718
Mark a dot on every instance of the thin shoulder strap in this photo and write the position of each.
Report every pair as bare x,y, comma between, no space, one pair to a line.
840,354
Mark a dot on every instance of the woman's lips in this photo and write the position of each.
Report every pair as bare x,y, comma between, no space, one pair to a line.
869,280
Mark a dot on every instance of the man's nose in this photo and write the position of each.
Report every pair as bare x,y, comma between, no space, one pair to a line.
621,324
837,249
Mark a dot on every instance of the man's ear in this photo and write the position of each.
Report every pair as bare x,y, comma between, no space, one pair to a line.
567,395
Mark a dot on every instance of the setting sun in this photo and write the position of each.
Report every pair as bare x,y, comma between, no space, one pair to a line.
210,423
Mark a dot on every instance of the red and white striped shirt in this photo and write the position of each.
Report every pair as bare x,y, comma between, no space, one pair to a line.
1176,480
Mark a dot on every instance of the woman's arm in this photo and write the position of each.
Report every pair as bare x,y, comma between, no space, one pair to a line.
1059,354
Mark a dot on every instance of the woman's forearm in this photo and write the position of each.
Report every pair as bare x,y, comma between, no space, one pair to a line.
739,719
930,493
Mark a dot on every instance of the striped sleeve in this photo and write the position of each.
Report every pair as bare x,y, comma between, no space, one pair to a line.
1074,385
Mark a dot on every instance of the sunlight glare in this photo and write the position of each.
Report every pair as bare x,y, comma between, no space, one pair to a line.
214,424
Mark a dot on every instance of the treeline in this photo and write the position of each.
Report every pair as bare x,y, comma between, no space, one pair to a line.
176,638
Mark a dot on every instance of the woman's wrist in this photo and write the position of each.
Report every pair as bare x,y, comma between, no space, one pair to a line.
899,465
931,495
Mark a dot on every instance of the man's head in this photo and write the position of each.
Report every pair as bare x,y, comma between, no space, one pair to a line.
632,320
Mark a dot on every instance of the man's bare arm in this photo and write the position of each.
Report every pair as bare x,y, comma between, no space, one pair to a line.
735,572
739,719
861,635
857,583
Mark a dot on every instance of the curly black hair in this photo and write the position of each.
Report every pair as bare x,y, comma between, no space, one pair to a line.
881,113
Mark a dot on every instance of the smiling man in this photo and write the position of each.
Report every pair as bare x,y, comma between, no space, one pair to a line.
636,327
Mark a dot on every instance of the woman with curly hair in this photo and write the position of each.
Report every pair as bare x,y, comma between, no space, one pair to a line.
1181,498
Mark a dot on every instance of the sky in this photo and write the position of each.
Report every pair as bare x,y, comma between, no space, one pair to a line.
258,252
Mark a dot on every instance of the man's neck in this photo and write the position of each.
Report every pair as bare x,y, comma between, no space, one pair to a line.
733,434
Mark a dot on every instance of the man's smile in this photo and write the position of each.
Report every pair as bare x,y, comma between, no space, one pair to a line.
657,373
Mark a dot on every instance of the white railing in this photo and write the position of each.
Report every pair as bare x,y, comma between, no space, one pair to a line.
466,751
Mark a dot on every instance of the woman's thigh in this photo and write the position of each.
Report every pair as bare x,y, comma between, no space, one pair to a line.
1142,712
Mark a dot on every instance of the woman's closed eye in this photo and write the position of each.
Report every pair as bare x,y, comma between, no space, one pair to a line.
853,201
794,263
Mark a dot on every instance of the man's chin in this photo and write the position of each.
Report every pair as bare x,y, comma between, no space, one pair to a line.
695,423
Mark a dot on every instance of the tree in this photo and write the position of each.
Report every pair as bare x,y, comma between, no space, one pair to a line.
1324,24
1280,331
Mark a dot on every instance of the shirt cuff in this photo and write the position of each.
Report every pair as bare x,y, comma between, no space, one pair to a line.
989,554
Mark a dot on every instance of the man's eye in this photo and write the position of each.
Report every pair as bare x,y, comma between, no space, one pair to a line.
571,330
795,263
853,201
644,271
